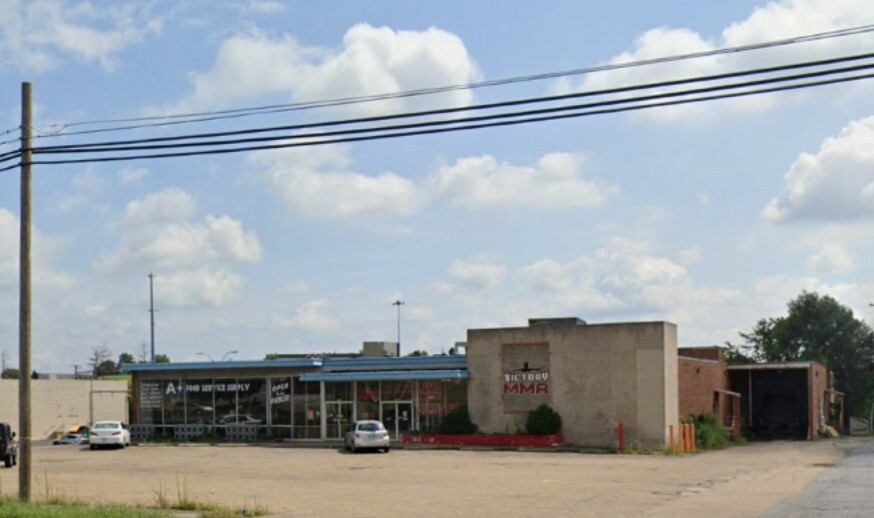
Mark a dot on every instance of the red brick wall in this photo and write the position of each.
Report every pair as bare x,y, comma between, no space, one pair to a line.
697,381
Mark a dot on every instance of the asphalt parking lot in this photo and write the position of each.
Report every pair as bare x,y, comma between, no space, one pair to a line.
295,481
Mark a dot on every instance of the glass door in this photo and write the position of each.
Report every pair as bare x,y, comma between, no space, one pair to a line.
339,419
397,416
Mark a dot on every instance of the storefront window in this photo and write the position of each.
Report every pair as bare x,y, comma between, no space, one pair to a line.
150,402
397,390
307,410
174,402
280,401
199,403
367,396
430,404
251,401
225,401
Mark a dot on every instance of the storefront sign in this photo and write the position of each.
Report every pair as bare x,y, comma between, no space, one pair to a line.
525,376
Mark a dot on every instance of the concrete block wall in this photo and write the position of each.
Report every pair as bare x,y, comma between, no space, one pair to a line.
599,376
56,405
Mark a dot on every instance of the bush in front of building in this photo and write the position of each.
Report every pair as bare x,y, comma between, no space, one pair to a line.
543,420
709,432
457,422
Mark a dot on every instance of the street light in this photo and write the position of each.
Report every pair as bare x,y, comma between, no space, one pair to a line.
399,303
229,353
208,356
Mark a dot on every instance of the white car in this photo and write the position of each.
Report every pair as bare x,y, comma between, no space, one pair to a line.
367,434
109,433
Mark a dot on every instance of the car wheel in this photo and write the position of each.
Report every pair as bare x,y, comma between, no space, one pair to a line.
92,446
386,449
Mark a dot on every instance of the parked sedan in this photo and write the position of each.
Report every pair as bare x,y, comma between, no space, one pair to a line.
109,433
367,434
72,438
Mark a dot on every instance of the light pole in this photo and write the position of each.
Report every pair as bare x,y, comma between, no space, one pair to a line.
228,353
399,303
208,356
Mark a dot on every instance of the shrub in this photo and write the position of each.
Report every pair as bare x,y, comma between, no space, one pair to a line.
709,433
543,420
457,422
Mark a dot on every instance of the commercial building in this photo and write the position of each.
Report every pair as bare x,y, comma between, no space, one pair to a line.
596,376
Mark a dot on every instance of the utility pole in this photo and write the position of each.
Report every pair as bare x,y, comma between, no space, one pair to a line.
399,303
152,312
24,314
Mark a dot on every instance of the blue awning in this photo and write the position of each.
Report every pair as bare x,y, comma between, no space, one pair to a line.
455,374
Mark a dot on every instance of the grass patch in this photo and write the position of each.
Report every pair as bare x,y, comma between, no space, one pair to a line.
9,508
184,502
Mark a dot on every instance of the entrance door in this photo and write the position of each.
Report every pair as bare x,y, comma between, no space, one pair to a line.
339,419
397,416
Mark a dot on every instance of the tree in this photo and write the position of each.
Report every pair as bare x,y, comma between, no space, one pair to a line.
418,353
162,358
126,358
99,354
818,328
144,353
34,375
10,374
106,368
271,356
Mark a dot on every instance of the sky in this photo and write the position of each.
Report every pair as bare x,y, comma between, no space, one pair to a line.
710,216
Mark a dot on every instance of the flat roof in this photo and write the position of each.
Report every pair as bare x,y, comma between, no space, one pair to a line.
238,364
772,366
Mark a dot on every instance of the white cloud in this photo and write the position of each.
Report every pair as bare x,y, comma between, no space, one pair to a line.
263,7
476,275
832,258
316,183
39,34
130,175
203,286
312,316
194,258
690,255
776,20
554,182
87,180
837,183
172,205
372,60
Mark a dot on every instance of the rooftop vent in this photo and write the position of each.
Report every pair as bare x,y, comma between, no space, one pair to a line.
561,321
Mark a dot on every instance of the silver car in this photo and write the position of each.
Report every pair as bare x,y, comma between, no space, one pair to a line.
367,435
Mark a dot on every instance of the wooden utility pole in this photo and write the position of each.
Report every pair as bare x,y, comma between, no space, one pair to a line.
152,312
24,337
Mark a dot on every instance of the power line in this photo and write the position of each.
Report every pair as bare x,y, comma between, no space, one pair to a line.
278,108
129,145
615,109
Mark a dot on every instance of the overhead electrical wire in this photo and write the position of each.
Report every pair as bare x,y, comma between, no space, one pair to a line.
127,145
614,109
277,108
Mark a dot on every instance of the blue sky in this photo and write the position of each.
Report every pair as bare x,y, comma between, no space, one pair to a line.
709,216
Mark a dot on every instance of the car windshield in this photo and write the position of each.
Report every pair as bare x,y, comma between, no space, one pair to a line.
106,426
369,427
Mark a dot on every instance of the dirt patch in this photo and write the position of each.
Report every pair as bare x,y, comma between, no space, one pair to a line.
742,481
